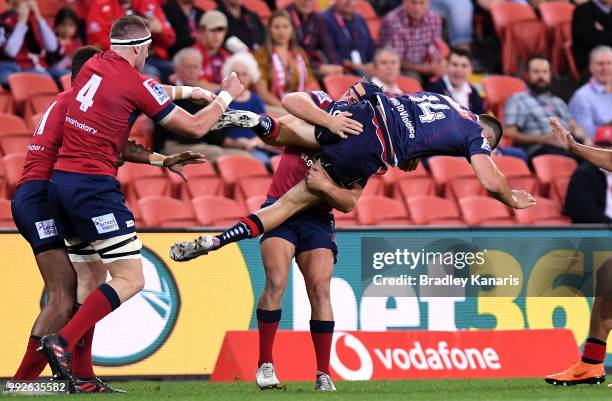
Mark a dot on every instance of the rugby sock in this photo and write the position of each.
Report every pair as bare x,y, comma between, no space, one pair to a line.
33,362
594,351
322,332
267,324
248,227
82,366
99,303
268,127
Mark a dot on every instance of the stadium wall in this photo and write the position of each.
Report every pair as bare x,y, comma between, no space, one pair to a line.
176,325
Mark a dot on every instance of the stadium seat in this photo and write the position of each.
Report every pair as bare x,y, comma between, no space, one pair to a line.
545,212
163,211
555,13
12,124
517,173
6,102
233,167
483,210
247,187
336,85
374,26
409,84
427,209
3,181
33,122
49,8
394,175
14,143
25,85
566,35
345,219
142,131
275,161
202,180
365,9
559,191
498,88
142,180
260,8
254,203
66,81
216,211
446,168
375,186
282,4
380,210
206,5
505,14
13,167
6,216
550,167
461,187
411,187
135,209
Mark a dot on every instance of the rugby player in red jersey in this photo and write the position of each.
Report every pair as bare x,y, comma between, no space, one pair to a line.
34,220
310,237
89,209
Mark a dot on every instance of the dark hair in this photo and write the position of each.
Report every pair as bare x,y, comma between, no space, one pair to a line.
80,57
536,57
494,125
129,27
65,14
460,52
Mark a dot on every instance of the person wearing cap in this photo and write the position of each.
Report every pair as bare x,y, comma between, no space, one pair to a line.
591,105
213,27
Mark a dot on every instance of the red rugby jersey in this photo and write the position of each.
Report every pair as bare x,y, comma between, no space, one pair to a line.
42,150
108,95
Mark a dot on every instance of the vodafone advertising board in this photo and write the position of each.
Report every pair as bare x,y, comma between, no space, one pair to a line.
359,355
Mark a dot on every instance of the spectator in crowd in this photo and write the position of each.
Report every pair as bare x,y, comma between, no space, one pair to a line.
458,15
102,13
350,37
187,64
312,35
184,18
25,39
415,32
387,70
283,64
66,28
455,83
591,105
527,113
589,194
213,27
243,23
591,27
245,66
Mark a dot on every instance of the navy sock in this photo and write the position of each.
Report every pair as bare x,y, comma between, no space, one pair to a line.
248,227
267,128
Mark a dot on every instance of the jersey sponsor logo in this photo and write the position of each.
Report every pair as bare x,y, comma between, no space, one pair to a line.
309,161
403,113
323,98
46,228
33,148
81,126
485,145
129,223
105,223
158,93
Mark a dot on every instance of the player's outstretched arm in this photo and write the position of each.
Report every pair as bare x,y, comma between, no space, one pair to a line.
197,125
602,158
301,105
494,181
343,199
193,93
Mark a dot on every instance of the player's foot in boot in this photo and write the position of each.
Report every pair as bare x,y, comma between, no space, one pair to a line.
237,118
265,377
324,382
58,357
184,251
95,385
579,373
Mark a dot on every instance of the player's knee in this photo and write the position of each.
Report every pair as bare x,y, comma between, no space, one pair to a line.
318,291
60,304
276,284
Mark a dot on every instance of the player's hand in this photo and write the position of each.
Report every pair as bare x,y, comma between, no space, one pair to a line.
155,26
231,84
341,125
175,163
564,137
200,95
522,199
317,179
23,11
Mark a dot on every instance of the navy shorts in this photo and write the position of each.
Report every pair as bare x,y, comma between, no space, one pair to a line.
34,218
90,207
356,158
310,229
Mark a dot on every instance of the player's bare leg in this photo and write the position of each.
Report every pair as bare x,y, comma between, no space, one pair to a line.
276,254
317,268
60,283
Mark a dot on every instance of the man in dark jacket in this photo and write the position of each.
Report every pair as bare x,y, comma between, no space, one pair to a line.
184,17
591,27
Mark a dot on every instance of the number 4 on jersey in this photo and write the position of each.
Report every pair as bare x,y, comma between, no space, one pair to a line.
88,91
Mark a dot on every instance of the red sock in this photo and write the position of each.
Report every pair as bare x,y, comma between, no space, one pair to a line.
322,332
82,366
594,351
99,303
267,324
33,362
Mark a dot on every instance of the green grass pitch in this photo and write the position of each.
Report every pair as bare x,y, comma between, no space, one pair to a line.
411,390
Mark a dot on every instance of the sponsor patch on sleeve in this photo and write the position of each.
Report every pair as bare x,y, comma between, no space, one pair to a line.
155,89
322,99
46,228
